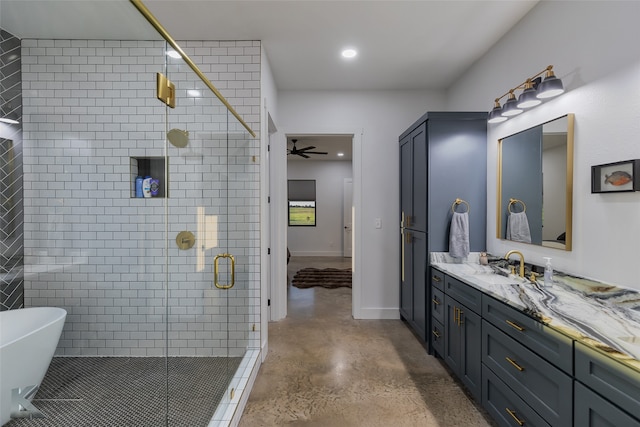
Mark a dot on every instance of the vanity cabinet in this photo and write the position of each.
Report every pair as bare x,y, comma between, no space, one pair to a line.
593,410
599,376
555,347
504,405
439,162
524,372
456,309
545,388
462,344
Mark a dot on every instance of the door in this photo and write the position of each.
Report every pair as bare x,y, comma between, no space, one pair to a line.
208,238
347,214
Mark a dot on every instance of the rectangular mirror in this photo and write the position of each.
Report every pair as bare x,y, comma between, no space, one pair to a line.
535,185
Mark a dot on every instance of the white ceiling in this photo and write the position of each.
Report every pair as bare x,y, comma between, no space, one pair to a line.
402,44
419,44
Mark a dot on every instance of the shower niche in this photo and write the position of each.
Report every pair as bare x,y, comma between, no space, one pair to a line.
154,167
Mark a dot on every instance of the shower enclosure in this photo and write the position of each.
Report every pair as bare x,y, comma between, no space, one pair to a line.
162,292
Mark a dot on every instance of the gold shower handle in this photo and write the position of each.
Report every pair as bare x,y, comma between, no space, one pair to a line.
215,271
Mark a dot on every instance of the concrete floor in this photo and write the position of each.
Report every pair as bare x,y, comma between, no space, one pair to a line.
326,369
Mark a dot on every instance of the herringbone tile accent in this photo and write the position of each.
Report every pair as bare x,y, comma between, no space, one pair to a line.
11,190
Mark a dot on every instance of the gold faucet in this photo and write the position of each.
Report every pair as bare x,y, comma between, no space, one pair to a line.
521,260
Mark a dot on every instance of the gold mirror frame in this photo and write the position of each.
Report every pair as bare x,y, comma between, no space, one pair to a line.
568,193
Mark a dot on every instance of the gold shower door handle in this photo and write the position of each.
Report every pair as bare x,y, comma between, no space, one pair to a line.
215,271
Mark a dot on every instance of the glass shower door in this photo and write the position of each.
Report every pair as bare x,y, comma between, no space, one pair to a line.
206,258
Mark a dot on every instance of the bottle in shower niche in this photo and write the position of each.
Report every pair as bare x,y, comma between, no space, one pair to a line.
146,186
155,187
139,186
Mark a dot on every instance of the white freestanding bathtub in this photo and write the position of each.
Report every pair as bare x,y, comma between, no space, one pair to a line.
28,339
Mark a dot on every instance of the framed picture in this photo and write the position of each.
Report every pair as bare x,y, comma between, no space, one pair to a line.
616,177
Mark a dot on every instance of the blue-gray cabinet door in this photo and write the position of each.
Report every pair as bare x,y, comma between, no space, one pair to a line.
452,333
420,170
592,410
406,180
406,279
471,351
419,277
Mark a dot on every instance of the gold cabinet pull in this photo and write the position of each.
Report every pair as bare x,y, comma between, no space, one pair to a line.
460,321
408,235
435,301
518,367
513,414
455,315
435,333
514,325
407,219
402,249
436,279
216,280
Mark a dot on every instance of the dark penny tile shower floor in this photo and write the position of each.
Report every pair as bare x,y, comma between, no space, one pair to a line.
326,369
131,391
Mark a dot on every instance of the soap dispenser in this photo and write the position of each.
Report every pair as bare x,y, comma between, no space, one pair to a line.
548,272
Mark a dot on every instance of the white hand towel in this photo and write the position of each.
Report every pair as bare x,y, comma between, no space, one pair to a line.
518,227
459,235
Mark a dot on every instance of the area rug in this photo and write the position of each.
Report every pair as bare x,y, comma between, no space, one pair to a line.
325,277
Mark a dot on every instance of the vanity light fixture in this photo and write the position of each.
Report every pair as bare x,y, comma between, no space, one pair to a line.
535,89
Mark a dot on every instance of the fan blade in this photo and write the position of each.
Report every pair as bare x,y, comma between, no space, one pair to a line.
306,148
315,152
303,155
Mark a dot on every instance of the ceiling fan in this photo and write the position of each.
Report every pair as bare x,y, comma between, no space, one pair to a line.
302,152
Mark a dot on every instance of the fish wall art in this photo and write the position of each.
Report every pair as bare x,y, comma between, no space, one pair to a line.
616,177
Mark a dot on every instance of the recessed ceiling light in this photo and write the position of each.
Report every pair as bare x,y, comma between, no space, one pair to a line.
173,54
340,154
349,53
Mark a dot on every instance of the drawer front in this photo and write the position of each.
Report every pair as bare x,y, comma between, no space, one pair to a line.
544,387
437,337
504,405
552,345
437,305
437,279
594,411
619,383
463,293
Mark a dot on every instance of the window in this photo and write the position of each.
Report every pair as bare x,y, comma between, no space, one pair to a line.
302,202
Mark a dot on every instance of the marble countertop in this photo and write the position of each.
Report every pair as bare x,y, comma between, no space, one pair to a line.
600,315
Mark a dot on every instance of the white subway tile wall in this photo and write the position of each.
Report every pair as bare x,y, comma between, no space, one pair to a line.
109,259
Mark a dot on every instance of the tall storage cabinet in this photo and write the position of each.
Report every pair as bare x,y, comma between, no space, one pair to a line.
443,156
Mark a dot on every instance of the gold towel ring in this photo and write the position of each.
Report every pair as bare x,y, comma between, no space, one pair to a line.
514,201
457,202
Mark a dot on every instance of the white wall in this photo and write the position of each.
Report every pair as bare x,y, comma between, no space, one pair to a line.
325,239
268,119
376,119
593,47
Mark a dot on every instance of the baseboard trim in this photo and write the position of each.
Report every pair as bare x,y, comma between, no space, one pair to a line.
378,313
317,253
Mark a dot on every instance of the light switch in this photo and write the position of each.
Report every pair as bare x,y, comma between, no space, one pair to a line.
378,222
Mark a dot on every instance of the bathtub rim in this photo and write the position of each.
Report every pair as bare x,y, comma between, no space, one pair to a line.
60,315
